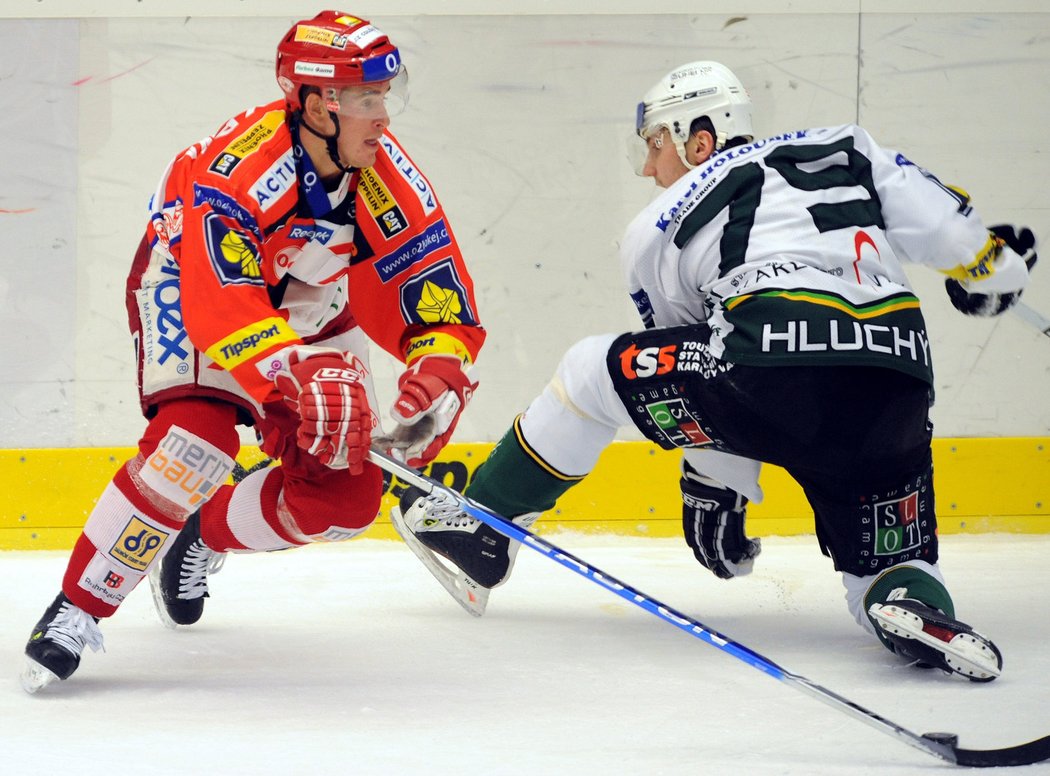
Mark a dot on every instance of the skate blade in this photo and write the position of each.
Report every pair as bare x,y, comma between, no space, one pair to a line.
35,677
967,654
158,598
466,592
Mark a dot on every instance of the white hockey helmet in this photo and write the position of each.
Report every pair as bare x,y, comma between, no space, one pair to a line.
691,91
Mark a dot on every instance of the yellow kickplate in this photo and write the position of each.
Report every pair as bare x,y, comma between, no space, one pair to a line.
982,485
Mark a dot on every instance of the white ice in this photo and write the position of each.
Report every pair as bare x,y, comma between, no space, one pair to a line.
350,659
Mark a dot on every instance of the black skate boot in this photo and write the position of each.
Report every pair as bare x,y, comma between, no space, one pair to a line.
483,556
57,641
932,639
179,582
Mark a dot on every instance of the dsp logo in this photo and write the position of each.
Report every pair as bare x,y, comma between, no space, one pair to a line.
136,547
636,363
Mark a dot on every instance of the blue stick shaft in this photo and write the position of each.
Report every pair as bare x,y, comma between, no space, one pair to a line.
666,613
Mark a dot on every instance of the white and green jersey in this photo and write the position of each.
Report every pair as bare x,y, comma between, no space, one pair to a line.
791,249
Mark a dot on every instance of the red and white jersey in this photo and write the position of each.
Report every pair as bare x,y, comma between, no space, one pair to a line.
792,247
250,254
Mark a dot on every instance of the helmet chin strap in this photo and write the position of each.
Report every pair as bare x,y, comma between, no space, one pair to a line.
331,141
684,156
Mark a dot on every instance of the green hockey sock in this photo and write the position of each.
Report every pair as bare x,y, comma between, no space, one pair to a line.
514,480
920,586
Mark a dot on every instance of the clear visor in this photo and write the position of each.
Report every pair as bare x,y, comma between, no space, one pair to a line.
643,142
378,100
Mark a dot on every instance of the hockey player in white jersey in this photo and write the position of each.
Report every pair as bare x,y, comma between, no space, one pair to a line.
780,327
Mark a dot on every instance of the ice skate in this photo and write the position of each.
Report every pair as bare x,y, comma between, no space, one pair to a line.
931,638
179,582
54,648
434,528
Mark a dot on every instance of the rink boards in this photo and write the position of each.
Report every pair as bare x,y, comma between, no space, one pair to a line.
982,485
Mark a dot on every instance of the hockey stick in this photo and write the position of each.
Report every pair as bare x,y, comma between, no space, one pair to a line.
941,745
1032,317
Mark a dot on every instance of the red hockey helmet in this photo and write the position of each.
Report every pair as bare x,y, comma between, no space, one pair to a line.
335,50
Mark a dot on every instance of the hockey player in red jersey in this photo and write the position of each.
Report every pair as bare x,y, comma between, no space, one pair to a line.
276,249
781,328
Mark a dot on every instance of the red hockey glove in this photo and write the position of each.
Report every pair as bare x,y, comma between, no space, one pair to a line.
328,393
434,392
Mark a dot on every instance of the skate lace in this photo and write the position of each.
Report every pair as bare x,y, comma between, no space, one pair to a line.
199,561
73,629
442,509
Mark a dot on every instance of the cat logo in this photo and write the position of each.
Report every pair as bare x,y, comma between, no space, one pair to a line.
247,143
381,203
224,164
392,222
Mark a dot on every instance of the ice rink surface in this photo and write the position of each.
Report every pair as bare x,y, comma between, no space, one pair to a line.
350,659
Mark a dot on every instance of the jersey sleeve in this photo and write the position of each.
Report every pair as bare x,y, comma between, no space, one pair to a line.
928,222
636,256
413,295
665,284
225,305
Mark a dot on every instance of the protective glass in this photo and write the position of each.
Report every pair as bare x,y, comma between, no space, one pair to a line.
378,100
639,143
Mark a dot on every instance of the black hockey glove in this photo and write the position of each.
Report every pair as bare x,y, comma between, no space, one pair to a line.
1021,242
713,523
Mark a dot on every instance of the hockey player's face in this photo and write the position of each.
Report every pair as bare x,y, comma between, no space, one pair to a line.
359,139
363,116
663,163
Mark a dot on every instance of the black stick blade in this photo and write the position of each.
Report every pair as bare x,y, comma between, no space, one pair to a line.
1022,754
